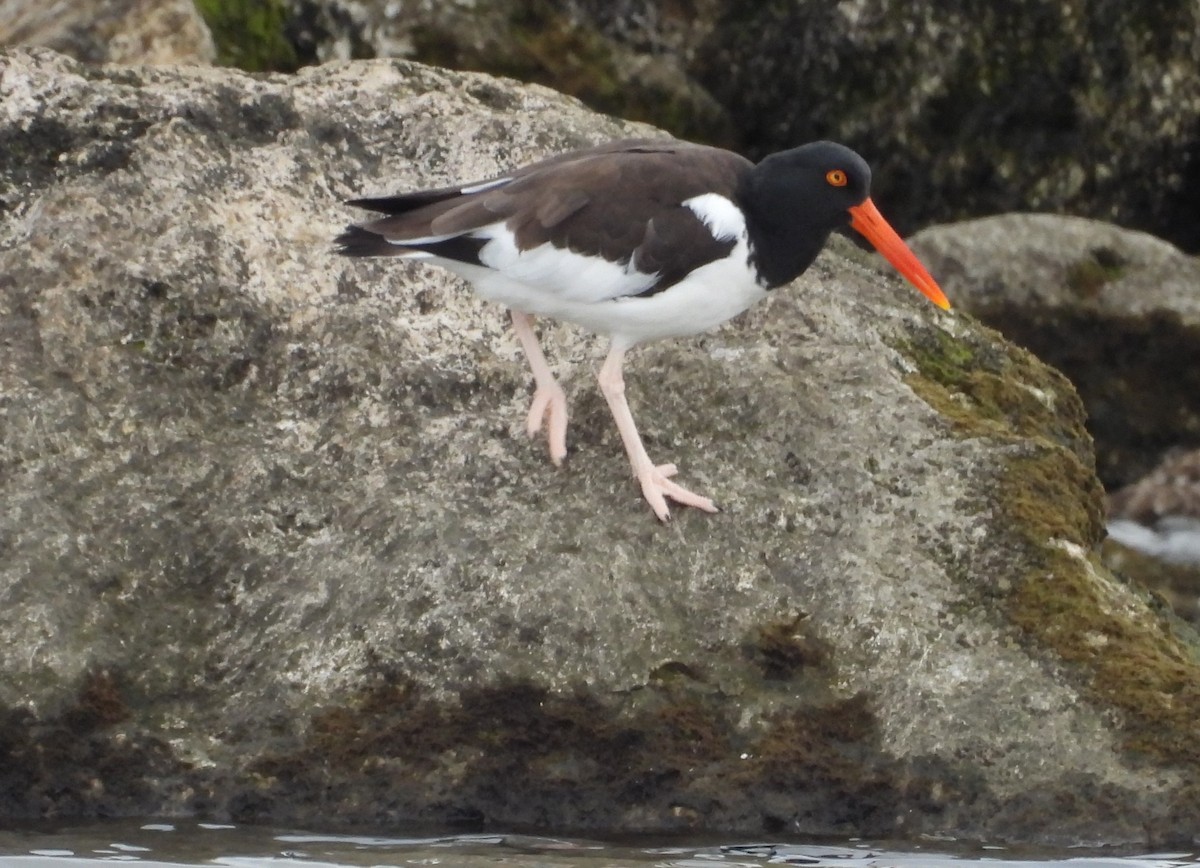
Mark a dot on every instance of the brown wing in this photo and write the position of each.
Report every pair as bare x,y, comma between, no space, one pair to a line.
621,201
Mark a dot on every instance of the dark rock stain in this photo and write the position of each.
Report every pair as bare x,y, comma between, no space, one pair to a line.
81,763
515,755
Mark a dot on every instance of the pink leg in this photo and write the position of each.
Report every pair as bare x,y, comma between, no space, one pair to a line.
549,401
655,482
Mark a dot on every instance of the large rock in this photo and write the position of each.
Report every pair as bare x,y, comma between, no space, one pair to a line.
1115,310
274,547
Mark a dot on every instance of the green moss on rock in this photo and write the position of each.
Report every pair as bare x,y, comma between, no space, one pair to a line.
1089,275
1049,494
987,387
250,34
1134,659
1049,507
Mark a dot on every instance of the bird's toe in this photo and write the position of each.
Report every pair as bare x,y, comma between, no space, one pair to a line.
657,487
548,410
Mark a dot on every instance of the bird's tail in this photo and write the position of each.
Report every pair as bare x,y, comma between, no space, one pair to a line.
357,241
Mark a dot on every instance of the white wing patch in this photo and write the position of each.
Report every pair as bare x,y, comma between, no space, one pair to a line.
565,274
428,239
486,185
724,220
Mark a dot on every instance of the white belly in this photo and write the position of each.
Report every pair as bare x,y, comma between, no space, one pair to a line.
707,297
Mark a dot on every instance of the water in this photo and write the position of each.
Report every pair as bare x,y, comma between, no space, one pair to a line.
173,844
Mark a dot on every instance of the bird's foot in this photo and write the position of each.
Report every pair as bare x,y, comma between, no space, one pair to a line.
549,409
657,487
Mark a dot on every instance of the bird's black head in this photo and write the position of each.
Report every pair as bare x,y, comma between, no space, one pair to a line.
794,199
821,177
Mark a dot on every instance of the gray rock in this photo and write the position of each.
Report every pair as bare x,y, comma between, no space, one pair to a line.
1115,310
112,31
274,547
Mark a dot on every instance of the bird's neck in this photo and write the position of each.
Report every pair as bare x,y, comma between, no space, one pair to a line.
785,237
781,251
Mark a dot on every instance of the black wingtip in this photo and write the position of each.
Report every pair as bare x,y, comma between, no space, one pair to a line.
382,204
357,241
402,203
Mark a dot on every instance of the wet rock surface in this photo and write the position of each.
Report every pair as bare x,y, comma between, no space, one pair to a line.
275,547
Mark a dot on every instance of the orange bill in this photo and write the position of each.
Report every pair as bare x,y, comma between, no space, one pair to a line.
870,224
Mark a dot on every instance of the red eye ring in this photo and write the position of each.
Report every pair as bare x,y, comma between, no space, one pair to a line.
836,177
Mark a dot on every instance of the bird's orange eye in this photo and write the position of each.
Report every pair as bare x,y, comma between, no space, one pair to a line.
836,177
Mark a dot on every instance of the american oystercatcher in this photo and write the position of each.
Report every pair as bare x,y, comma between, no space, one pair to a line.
636,240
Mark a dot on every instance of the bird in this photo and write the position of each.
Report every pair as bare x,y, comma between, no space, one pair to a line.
636,240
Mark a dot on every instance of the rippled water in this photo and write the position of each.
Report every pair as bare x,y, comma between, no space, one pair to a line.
189,843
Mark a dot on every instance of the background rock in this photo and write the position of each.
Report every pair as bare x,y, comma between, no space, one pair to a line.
111,31
274,548
973,108
623,58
